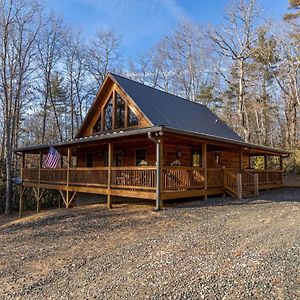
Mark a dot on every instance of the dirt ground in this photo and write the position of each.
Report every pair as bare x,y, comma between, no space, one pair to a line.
214,249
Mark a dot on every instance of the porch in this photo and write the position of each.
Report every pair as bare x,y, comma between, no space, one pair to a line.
153,165
141,181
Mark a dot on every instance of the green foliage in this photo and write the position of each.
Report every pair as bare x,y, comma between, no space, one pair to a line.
257,162
292,163
50,199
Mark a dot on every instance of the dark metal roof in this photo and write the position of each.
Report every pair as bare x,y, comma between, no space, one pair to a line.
140,131
168,110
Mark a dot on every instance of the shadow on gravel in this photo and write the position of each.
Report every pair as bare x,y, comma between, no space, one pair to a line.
81,221
265,197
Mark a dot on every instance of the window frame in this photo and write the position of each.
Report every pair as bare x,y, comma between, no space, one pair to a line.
112,97
135,155
87,161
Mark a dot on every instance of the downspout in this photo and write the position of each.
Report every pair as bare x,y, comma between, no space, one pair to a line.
157,141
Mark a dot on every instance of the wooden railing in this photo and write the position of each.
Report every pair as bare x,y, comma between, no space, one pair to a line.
215,178
230,182
89,176
141,178
78,176
183,178
268,177
247,181
144,178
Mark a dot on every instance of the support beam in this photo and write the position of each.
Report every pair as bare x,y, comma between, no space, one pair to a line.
22,187
281,168
159,174
239,186
69,158
241,158
256,185
266,168
110,159
204,166
39,182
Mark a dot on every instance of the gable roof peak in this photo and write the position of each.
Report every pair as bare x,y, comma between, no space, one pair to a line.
163,108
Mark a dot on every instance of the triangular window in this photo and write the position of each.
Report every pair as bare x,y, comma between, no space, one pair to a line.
119,112
108,112
97,126
132,119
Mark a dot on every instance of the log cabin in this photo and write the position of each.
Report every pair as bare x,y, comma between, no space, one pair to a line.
138,141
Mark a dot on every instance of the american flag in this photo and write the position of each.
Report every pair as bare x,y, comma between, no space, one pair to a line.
52,158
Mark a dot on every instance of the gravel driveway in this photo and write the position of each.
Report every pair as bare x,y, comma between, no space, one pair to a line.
214,249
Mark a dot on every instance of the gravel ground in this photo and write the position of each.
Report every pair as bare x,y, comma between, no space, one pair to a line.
214,249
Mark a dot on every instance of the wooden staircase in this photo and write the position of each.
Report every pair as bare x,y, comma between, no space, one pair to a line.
240,185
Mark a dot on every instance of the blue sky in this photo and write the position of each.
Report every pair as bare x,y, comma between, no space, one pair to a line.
141,23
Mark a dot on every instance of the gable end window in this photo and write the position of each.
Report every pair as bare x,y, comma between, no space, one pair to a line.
97,127
108,112
119,112
132,119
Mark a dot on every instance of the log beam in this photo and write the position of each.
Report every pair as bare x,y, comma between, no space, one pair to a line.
110,159
204,166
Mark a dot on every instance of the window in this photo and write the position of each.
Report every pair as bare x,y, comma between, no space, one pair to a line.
108,111
140,154
120,112
132,118
97,126
196,158
89,160
119,159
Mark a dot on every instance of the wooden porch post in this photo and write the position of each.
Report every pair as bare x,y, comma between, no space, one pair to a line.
266,168
21,191
239,186
281,168
69,157
110,158
159,174
256,184
241,158
204,166
39,182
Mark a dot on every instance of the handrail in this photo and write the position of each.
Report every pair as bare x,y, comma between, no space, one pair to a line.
230,182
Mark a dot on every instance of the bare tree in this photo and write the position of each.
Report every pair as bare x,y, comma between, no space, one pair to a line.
103,55
50,44
235,43
19,26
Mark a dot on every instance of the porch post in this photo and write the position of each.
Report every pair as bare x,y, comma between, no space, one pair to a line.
241,158
256,185
281,168
159,174
68,177
39,182
266,168
239,186
204,166
21,191
110,158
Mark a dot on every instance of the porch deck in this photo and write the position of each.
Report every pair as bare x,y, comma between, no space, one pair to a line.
140,182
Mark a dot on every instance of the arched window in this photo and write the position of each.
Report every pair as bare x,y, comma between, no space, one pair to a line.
108,111
120,112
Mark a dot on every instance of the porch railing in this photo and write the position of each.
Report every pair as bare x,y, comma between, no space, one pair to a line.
183,178
144,178
268,177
